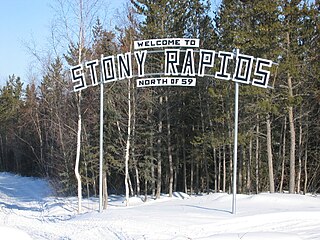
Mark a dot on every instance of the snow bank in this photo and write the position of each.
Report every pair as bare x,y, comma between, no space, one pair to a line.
28,209
9,233
254,236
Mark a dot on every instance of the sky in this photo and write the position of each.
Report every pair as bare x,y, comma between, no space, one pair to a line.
26,24
19,21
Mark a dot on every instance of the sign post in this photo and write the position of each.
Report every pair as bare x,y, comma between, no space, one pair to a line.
235,150
101,148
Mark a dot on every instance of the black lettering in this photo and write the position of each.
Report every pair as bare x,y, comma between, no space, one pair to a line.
171,62
225,57
206,60
108,69
77,76
171,42
243,68
141,58
188,68
124,65
262,73
93,72
140,82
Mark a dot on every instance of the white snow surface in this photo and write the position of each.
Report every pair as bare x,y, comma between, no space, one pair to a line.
29,210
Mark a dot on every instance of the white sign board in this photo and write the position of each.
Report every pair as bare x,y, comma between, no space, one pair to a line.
183,61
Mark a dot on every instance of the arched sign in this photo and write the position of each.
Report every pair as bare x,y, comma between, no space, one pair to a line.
183,62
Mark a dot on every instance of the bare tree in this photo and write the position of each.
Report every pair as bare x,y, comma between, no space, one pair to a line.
74,25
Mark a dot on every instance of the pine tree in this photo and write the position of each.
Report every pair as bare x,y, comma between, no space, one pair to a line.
10,105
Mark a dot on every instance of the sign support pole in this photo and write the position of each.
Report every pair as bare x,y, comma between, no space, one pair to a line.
101,147
235,150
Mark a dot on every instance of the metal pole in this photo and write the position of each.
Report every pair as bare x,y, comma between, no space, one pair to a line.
235,150
101,147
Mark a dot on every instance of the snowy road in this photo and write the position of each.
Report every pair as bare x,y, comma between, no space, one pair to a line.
27,207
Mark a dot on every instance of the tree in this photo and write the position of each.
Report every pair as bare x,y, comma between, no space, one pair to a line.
252,30
10,106
173,19
77,34
127,45
297,25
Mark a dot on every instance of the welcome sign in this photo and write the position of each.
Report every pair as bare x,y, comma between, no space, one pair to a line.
182,62
178,62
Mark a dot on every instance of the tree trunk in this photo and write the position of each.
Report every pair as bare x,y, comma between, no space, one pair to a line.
240,168
136,169
81,45
184,164
249,167
131,191
224,170
269,153
292,130
197,185
159,156
38,128
306,161
257,155
105,190
305,171
219,166
192,169
127,151
176,168
134,160
76,168
283,154
169,147
203,150
153,181
145,187
300,158
230,168
216,172
292,152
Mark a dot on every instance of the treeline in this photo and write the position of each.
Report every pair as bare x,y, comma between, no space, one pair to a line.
165,139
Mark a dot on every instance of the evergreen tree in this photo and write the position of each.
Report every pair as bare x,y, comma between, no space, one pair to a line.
10,106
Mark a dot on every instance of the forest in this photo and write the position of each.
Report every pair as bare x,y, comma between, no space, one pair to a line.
166,139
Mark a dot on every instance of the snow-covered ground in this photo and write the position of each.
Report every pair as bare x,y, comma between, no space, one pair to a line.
29,211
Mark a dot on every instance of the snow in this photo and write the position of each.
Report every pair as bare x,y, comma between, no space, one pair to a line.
29,210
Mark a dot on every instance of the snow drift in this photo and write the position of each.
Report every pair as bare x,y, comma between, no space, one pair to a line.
28,210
